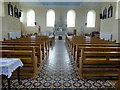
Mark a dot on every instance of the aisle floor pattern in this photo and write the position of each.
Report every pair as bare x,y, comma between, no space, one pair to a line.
59,71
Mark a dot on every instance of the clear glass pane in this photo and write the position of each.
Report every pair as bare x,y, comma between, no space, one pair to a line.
71,18
91,18
30,18
50,18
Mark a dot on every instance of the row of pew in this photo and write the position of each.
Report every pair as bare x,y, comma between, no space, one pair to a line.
32,51
95,58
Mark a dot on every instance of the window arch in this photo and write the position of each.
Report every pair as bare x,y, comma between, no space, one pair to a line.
71,18
91,16
30,17
50,18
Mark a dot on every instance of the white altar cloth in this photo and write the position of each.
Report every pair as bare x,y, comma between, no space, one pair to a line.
8,65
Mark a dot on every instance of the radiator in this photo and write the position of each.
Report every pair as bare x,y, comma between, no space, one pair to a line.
14,35
106,36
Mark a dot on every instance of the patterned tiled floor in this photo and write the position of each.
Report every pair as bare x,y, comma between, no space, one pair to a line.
58,71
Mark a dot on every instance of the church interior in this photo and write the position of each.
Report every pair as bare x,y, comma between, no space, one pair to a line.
59,45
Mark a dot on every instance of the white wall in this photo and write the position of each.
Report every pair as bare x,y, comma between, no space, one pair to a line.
81,18
119,22
0,28
119,30
1,15
119,9
1,9
110,25
9,23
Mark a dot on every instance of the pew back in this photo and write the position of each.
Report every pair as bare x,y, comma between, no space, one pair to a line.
27,57
99,62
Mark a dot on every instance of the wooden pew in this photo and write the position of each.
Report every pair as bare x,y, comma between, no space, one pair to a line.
28,58
99,62
41,45
51,41
117,85
29,40
73,45
76,43
77,48
38,51
82,41
72,42
45,42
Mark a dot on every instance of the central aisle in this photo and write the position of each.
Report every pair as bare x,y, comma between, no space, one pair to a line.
59,63
58,71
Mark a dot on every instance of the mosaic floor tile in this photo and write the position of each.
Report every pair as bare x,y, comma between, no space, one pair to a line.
59,71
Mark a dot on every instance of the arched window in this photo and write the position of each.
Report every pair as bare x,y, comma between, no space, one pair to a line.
118,9
50,19
91,16
71,18
30,18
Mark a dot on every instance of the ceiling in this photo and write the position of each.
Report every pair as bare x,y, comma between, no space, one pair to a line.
61,4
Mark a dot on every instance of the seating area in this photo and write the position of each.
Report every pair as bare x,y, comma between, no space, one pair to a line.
95,58
32,51
92,60
60,45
